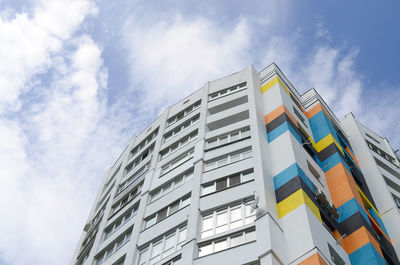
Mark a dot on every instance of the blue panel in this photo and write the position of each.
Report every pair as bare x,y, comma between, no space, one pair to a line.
289,173
320,126
366,255
349,208
378,220
275,133
332,161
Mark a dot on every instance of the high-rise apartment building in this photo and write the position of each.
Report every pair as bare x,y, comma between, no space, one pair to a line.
244,171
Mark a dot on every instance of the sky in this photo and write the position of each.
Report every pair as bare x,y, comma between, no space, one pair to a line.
80,78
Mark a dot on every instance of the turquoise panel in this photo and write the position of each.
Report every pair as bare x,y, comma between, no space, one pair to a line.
366,255
332,161
275,133
349,208
289,173
378,220
320,126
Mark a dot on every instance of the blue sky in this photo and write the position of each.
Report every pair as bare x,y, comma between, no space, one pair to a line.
79,78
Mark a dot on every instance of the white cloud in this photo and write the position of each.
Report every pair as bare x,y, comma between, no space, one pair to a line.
30,40
170,59
48,127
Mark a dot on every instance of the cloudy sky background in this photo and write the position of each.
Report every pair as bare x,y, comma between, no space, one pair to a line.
77,78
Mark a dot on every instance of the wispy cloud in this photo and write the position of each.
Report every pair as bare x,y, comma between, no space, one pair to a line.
172,58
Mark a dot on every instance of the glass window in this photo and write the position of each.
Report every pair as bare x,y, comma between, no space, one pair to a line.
220,245
178,182
205,249
208,188
174,207
162,214
234,136
182,237
156,195
151,221
143,257
207,226
211,165
234,180
167,188
235,157
221,184
223,161
185,202
236,240
223,140
222,222
157,249
212,143
169,245
119,243
250,236
245,133
246,176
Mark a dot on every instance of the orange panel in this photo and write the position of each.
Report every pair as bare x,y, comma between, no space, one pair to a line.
314,259
359,238
317,108
342,186
278,111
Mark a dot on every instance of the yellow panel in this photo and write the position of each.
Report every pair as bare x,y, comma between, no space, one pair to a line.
295,200
367,202
273,82
312,206
325,142
270,84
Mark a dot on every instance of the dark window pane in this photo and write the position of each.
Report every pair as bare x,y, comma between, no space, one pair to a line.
174,207
162,214
234,180
221,184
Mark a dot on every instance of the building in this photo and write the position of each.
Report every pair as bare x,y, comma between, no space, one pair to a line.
243,171
381,168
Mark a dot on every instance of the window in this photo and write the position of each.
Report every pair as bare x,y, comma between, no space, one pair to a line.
183,113
113,247
134,177
226,182
182,142
226,242
381,153
143,143
175,261
299,116
177,161
313,171
227,91
171,185
126,199
227,159
181,128
167,211
226,219
163,247
335,256
372,138
228,138
132,165
120,222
